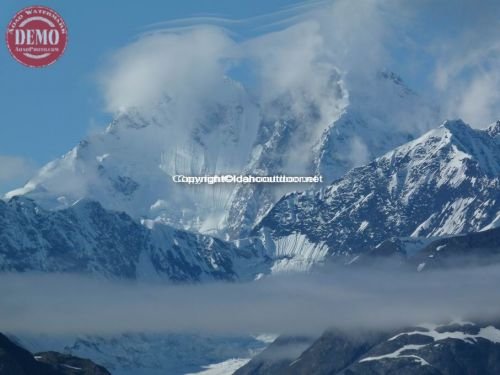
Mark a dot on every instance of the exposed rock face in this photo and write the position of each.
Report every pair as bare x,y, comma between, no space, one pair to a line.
70,365
15,360
277,356
88,239
456,348
424,254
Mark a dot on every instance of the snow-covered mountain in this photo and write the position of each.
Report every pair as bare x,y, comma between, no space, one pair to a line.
445,182
371,118
382,114
457,347
146,227
88,239
129,166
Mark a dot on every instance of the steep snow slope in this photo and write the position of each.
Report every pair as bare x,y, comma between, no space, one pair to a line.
373,116
382,115
129,166
445,182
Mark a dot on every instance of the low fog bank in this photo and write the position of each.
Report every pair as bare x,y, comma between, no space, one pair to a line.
291,304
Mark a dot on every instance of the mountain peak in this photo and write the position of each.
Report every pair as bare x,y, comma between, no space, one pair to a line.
20,201
444,182
456,126
494,129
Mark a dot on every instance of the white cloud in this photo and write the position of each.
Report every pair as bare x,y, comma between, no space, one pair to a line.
459,49
14,170
296,72
468,78
184,66
297,60
479,103
359,152
292,62
467,60
293,304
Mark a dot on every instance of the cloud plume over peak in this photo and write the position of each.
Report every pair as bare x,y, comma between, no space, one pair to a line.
183,66
448,54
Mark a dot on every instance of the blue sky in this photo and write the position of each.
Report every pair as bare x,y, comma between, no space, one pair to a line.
448,50
47,111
